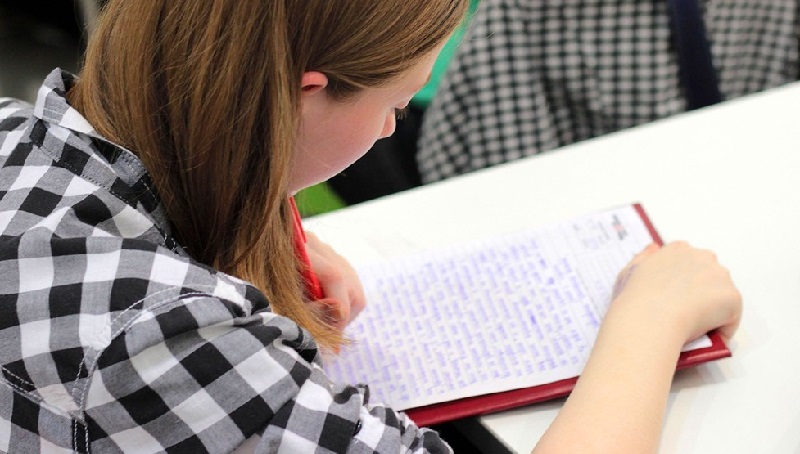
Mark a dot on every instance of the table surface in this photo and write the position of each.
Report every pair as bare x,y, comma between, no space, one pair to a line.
725,178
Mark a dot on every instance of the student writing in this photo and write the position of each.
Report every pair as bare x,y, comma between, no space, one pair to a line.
152,294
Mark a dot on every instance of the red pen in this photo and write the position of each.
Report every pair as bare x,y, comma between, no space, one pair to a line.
312,285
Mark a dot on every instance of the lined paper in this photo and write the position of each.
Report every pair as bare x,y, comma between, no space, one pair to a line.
507,312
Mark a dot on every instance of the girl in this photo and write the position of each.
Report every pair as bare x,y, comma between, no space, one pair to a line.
156,294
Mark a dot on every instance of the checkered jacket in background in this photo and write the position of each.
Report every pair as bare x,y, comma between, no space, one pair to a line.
532,76
113,339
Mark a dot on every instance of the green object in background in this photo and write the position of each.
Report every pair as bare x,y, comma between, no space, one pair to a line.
317,199
424,97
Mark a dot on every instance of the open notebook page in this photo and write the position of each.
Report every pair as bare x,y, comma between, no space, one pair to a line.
507,312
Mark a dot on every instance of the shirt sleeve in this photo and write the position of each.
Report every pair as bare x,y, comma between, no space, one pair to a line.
196,376
339,418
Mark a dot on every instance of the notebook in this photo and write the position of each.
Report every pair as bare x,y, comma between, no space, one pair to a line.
490,325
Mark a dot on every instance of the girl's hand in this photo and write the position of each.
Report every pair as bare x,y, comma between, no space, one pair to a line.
681,286
665,297
344,295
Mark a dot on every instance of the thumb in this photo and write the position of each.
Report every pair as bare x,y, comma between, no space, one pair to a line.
334,311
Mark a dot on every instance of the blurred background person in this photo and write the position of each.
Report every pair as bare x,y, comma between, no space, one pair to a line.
533,76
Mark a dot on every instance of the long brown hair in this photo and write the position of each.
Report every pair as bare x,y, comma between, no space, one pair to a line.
206,93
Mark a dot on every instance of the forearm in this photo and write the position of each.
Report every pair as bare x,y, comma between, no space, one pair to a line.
619,402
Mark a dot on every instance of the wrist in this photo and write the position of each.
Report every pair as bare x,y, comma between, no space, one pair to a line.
620,399
663,329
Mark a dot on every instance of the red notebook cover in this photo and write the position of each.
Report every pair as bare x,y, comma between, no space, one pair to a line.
490,403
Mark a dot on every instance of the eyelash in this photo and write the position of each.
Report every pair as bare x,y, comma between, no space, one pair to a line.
399,114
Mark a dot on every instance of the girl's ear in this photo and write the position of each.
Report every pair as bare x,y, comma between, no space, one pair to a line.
313,82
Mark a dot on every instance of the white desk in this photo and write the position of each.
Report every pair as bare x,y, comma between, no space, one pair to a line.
726,178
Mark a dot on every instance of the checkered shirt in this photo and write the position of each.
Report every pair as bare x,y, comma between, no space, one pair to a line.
112,339
532,76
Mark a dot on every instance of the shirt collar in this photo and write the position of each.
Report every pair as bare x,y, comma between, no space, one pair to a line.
125,167
52,107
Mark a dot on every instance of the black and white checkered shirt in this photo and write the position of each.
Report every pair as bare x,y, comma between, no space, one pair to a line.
113,339
532,76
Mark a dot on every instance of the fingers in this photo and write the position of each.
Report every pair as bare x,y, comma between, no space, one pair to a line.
344,295
337,296
727,331
682,287
333,309
729,327
651,249
721,302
